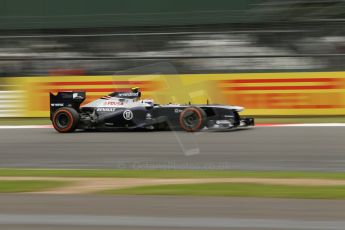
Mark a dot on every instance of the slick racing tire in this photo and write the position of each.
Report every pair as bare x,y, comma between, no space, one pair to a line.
192,119
65,120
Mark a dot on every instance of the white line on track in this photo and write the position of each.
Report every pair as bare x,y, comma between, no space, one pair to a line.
25,126
257,125
303,125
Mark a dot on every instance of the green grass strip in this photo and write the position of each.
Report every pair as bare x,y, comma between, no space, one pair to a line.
237,190
29,185
169,173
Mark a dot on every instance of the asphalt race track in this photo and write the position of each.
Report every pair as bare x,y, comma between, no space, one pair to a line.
260,148
140,212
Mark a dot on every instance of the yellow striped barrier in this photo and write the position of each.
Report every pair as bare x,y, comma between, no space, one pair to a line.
312,93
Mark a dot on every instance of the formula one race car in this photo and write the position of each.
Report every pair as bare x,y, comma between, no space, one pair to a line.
126,110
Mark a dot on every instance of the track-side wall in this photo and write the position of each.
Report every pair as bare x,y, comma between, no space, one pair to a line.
294,94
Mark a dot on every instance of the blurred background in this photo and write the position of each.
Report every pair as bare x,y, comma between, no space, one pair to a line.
86,37
83,38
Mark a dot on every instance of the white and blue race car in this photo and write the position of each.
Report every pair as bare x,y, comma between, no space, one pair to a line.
126,110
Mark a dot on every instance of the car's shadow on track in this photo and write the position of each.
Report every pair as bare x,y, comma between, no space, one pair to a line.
229,130
165,131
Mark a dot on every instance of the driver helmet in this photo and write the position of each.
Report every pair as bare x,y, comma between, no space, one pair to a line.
135,89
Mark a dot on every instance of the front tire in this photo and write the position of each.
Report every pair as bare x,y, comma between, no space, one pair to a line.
65,120
192,119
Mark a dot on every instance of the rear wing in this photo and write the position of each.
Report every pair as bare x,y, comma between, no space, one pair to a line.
66,99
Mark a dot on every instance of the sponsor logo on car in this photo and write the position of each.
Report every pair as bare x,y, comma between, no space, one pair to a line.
105,109
128,94
112,103
128,115
148,116
222,122
57,104
77,96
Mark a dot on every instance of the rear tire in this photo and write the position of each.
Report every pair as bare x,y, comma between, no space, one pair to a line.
65,120
192,119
